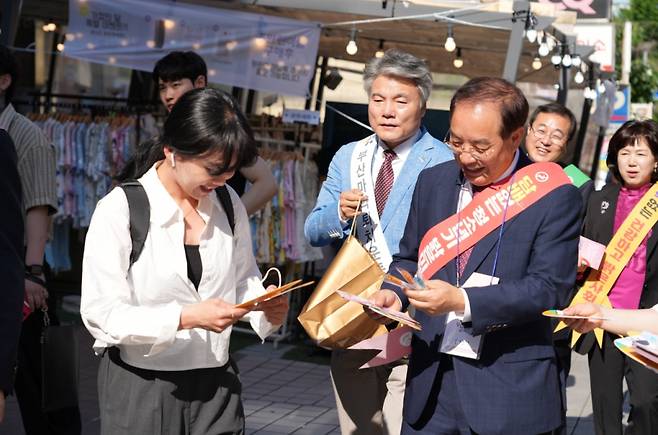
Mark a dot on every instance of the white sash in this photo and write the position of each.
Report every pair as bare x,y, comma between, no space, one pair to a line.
361,178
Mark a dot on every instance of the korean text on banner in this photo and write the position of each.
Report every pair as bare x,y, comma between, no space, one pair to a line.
242,49
485,213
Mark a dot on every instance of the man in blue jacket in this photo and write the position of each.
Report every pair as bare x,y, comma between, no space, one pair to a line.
505,381
379,173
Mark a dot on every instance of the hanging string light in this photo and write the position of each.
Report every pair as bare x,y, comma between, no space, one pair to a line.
351,47
536,63
458,62
450,44
543,47
380,51
579,78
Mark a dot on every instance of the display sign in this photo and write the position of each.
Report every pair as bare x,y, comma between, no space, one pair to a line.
599,9
602,38
290,116
241,49
622,107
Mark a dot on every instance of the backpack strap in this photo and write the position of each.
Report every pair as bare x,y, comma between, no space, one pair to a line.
140,216
227,204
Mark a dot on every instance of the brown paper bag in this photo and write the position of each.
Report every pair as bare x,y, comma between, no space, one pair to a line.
329,319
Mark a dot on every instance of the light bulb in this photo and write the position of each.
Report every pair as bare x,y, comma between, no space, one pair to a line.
303,40
566,60
531,34
575,60
579,78
551,43
556,86
587,93
601,88
259,43
60,47
169,24
51,27
536,64
450,44
380,51
458,62
556,59
543,49
351,48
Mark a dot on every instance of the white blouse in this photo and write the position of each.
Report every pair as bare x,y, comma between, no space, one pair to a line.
138,310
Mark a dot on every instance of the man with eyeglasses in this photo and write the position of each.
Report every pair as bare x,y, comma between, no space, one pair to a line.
550,129
483,362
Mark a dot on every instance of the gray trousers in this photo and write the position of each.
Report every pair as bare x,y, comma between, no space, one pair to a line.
185,402
368,401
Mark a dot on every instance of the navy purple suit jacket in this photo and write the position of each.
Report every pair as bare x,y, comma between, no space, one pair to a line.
513,388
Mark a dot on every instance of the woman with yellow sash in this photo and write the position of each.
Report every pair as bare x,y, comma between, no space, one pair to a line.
633,160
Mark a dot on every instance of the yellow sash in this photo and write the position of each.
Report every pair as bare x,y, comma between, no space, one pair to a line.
617,254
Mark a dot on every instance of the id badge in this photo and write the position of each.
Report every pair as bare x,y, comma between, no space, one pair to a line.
458,340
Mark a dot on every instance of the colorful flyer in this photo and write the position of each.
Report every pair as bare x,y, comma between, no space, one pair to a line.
398,316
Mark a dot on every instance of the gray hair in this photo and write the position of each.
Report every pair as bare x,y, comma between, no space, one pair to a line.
398,63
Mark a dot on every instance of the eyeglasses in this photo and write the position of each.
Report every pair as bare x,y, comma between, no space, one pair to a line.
458,148
553,139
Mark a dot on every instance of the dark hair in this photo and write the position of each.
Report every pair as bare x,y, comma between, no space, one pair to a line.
180,65
9,66
627,134
512,102
560,110
203,122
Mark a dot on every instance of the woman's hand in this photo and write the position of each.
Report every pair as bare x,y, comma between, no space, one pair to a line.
588,310
275,310
213,315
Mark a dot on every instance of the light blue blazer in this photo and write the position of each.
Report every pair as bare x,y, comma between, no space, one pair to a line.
323,224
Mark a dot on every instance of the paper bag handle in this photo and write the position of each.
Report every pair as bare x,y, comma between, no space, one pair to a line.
352,228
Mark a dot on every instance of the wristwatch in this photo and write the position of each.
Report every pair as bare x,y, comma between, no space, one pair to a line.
34,269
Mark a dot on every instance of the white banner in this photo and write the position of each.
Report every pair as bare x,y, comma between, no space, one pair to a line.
241,49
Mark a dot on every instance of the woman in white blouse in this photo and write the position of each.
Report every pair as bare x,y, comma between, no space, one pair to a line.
618,321
163,324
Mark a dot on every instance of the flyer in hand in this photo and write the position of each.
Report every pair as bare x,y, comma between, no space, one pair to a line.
642,348
275,293
403,318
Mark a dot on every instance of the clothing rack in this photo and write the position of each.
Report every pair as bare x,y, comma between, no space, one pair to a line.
42,102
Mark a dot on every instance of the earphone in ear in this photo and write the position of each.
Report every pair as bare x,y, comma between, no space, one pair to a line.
173,160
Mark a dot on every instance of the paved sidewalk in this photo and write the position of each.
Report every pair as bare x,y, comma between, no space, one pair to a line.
283,396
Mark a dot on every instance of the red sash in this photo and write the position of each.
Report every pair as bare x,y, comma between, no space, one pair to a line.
485,213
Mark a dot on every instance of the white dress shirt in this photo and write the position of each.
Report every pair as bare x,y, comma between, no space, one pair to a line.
465,198
402,151
138,309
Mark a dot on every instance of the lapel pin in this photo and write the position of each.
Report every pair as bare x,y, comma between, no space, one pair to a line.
604,206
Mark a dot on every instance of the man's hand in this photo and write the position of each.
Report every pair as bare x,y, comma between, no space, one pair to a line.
349,201
35,294
437,298
2,406
385,299
275,310
213,315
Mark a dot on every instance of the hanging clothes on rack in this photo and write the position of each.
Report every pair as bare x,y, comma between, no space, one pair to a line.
278,229
90,151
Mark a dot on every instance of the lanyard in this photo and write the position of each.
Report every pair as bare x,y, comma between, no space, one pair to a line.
500,232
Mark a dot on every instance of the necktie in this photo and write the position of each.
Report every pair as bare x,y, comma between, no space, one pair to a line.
385,179
463,257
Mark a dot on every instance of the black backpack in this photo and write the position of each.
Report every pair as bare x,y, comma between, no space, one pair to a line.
140,213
